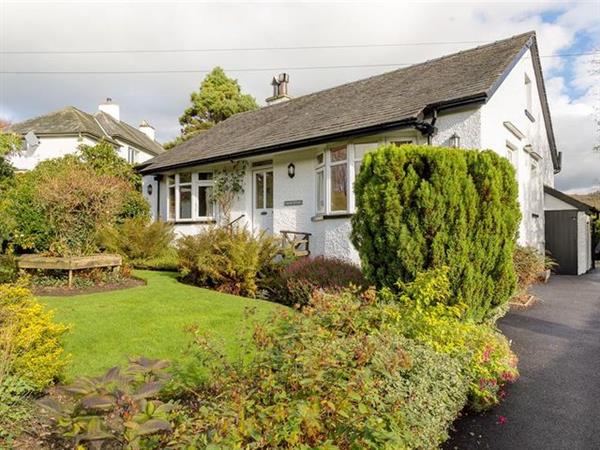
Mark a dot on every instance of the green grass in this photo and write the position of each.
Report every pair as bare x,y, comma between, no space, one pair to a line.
108,327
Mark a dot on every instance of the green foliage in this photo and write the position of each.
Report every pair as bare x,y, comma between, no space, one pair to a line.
427,207
299,280
59,206
218,98
229,260
137,238
421,312
326,378
119,407
10,143
8,268
15,407
228,185
30,346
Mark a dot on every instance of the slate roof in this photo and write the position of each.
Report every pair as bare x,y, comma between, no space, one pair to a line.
70,120
394,98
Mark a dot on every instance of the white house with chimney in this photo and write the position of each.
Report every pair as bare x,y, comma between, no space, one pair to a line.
61,132
302,154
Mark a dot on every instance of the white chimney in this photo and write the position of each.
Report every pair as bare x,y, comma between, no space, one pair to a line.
280,89
110,108
148,130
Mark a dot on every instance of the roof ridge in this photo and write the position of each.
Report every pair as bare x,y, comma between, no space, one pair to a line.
422,63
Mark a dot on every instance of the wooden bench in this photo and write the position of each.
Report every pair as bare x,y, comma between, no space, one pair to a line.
69,263
298,241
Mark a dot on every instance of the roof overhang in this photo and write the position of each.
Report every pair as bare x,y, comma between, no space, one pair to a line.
404,123
588,209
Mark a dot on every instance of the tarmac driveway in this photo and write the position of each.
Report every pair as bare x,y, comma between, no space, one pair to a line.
556,402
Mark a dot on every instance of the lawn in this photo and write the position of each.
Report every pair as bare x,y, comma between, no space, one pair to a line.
149,321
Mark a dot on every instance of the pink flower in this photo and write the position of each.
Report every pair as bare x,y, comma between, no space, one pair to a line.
501,420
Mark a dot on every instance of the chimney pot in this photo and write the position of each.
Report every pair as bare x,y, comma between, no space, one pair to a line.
148,130
280,89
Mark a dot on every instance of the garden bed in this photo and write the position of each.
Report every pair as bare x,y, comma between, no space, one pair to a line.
65,291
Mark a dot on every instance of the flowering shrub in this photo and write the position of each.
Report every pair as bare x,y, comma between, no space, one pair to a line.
421,312
529,264
30,341
296,284
325,378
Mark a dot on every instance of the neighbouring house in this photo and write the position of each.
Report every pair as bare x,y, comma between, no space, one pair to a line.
303,153
61,132
568,232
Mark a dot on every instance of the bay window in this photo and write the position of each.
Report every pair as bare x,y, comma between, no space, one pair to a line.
189,196
335,171
338,179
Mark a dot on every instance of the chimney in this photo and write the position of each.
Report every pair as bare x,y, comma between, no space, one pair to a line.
110,108
148,130
280,89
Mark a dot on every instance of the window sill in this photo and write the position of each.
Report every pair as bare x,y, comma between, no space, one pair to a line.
320,217
193,222
529,116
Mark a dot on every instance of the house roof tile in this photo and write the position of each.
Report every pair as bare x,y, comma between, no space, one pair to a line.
390,98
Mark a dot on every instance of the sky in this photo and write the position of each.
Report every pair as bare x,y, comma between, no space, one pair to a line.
253,41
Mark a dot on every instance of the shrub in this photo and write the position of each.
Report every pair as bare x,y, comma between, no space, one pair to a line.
30,341
426,207
15,407
327,378
166,262
298,281
529,264
120,407
59,206
137,238
422,313
8,268
228,260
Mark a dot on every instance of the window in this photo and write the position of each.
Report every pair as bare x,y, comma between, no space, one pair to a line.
190,196
185,195
360,150
511,153
204,191
338,179
528,95
320,183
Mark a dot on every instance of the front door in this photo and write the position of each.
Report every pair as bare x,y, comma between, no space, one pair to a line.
263,200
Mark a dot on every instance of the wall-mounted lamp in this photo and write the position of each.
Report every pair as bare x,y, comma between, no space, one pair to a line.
291,170
149,189
455,140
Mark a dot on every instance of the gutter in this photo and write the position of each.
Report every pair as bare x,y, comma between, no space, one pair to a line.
404,123
427,128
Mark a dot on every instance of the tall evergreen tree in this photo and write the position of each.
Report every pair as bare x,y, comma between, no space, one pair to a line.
218,98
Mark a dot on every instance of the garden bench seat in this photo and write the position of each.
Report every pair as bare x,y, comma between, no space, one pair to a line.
298,241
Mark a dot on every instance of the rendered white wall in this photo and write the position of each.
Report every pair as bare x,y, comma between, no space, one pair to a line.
552,203
466,123
57,147
49,147
584,246
508,104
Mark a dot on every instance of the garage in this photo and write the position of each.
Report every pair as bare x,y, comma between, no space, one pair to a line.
568,232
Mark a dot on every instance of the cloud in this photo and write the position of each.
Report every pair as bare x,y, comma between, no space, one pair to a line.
161,98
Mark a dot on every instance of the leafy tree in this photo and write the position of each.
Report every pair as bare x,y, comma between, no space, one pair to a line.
419,208
10,144
218,98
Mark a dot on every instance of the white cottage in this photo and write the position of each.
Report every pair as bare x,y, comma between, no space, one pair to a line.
61,132
302,153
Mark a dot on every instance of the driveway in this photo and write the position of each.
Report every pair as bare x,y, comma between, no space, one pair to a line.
556,402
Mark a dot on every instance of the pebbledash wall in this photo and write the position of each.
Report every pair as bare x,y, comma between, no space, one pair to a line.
501,125
58,146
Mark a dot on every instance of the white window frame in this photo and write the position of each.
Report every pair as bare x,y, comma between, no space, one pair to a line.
193,184
328,165
197,183
320,170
